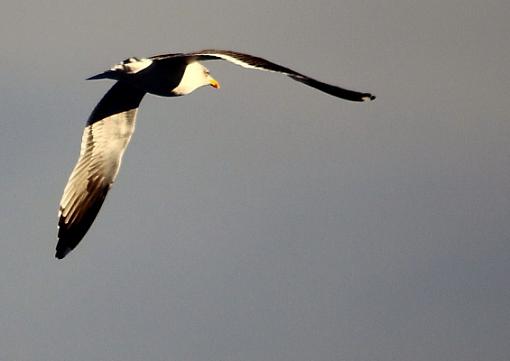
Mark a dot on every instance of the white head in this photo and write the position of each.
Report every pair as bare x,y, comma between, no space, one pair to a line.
195,76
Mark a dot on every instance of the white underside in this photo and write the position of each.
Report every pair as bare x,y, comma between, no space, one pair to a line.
103,145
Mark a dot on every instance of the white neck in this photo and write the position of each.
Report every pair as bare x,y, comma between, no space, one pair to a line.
195,76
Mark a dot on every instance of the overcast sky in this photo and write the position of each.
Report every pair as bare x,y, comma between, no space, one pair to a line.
266,220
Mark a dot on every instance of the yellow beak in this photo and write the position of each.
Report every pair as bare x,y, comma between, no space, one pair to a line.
214,83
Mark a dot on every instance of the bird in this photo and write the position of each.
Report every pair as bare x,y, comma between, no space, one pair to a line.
111,124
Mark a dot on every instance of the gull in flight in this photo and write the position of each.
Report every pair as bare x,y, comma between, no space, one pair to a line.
112,123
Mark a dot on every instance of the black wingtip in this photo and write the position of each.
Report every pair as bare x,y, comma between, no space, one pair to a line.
61,253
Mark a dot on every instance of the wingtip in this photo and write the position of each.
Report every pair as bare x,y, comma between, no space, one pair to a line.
368,97
62,252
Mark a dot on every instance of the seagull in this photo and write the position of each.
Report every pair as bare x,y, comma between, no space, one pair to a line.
112,123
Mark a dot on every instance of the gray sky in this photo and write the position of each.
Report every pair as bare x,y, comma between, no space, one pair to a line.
264,221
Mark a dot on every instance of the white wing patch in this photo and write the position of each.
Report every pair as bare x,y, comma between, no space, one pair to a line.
132,65
236,61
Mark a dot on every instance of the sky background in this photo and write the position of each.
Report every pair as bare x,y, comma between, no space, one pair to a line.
266,220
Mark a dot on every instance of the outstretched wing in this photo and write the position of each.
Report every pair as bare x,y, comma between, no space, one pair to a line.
254,62
104,141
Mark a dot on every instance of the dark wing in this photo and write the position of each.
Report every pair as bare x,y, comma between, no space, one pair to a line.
253,62
104,141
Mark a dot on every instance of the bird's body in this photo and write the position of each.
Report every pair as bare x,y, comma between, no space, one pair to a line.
112,123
